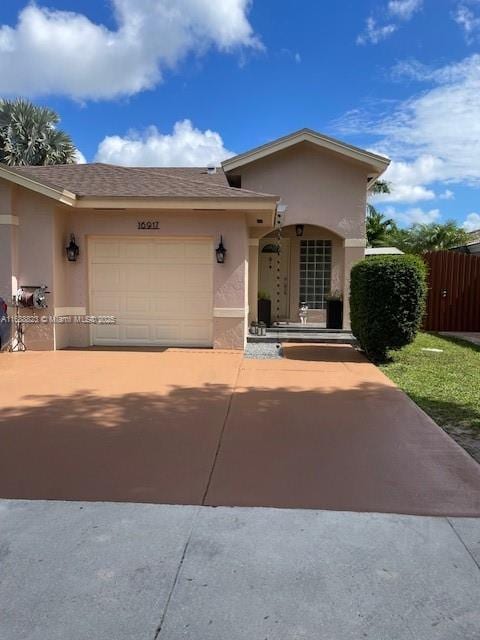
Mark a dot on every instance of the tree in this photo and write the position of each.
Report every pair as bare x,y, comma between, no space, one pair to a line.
380,186
28,135
434,236
378,227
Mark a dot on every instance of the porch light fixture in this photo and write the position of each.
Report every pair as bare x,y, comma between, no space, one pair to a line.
72,249
299,230
220,252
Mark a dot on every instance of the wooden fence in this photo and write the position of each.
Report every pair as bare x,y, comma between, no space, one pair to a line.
453,302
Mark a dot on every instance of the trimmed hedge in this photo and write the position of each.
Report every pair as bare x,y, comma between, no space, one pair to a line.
387,302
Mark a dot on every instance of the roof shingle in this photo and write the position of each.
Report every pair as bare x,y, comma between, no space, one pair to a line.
99,180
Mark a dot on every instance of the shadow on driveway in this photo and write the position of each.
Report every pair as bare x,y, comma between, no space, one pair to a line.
324,434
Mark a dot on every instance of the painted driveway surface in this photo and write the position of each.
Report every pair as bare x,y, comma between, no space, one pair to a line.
325,429
112,425
321,429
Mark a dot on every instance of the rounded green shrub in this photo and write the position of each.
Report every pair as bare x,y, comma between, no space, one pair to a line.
387,302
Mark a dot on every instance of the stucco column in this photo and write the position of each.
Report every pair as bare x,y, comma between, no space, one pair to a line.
8,243
353,251
252,278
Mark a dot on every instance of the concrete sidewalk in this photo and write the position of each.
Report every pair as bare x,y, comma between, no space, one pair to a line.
96,571
468,336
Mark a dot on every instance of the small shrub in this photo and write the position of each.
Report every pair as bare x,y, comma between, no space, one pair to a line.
387,302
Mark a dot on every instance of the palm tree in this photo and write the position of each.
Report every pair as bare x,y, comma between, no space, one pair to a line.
380,186
28,135
436,236
378,227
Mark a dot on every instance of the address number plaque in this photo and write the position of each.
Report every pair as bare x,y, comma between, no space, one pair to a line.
147,224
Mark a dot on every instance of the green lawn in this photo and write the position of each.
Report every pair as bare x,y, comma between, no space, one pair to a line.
446,385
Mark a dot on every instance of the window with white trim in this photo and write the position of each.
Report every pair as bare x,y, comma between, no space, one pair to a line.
315,272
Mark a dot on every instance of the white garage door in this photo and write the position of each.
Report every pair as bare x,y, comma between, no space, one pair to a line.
159,290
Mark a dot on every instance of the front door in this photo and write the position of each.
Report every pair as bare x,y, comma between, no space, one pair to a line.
273,270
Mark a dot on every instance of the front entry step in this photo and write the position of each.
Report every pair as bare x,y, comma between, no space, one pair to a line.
323,336
305,328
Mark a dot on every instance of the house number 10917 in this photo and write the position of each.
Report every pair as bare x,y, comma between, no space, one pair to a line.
147,224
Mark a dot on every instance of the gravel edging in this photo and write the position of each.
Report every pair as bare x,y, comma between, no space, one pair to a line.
263,351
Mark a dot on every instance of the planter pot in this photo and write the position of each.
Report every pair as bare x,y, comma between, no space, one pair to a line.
264,309
334,314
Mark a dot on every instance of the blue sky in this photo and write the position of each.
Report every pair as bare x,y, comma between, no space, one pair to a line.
181,82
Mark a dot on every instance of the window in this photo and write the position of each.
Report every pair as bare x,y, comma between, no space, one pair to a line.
315,272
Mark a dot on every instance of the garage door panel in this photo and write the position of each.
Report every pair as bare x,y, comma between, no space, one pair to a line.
198,276
106,304
131,250
106,277
159,290
136,303
167,333
138,332
110,332
105,249
168,250
167,278
135,276
199,252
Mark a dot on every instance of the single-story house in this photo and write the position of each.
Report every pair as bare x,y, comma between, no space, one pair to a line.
472,245
290,215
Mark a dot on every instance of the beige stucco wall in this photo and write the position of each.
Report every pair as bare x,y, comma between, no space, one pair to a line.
33,264
44,231
319,187
7,240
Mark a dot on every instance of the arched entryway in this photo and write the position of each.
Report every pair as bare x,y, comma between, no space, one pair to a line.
303,267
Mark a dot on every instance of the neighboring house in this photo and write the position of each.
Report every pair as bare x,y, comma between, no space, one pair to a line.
472,245
147,241
383,251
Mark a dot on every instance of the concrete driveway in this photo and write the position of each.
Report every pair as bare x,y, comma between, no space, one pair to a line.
320,429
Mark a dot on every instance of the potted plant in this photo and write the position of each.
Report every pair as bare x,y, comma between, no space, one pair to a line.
334,310
264,308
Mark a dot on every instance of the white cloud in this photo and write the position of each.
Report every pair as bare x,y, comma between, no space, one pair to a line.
407,180
404,9
79,157
434,136
185,146
65,53
415,215
468,20
472,223
375,33
378,29
447,195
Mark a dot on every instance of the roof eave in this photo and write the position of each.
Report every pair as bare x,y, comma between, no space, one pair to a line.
377,164
61,195
211,204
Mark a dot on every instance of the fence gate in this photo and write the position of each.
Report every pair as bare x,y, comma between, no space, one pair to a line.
453,302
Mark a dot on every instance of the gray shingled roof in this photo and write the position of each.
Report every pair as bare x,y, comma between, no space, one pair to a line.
473,237
109,181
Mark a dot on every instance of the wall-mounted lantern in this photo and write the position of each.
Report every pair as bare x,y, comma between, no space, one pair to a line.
72,249
220,252
299,230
